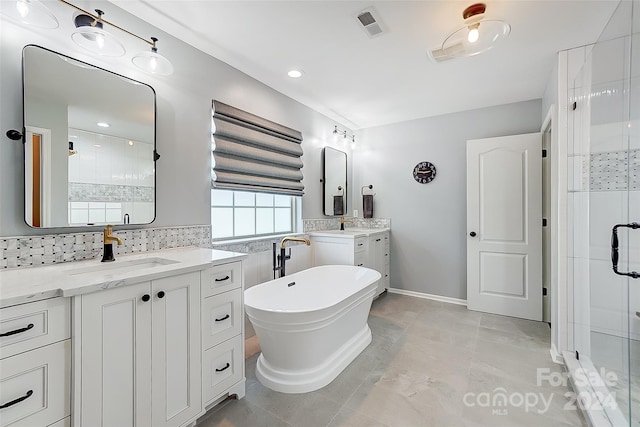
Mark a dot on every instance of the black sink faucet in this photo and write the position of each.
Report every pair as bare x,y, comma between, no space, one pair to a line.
108,239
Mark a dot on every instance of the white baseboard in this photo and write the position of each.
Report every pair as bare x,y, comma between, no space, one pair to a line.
556,357
440,298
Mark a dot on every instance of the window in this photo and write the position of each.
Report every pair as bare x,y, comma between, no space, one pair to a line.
236,214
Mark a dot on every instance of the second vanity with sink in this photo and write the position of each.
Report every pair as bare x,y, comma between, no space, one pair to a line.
368,247
155,339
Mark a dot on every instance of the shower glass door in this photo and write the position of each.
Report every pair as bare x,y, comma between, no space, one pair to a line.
604,161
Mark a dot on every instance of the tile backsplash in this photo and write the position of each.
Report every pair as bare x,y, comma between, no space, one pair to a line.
334,223
25,251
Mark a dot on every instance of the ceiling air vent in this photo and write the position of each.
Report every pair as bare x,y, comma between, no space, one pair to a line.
372,26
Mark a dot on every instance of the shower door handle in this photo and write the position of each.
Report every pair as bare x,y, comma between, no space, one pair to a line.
615,254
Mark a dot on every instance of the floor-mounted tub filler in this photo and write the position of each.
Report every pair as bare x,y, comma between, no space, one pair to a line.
311,325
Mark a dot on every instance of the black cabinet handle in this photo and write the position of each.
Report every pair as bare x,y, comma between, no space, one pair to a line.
18,400
615,255
17,331
377,240
360,244
225,367
145,297
223,279
161,294
225,317
472,234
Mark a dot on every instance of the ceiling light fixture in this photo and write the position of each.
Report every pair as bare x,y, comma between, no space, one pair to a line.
103,124
30,12
295,74
344,134
477,36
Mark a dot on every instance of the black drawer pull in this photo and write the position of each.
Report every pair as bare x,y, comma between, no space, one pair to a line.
17,331
360,244
225,367
18,400
223,279
161,294
377,240
225,317
146,297
360,265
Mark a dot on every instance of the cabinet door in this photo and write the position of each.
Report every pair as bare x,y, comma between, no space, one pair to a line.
176,362
116,349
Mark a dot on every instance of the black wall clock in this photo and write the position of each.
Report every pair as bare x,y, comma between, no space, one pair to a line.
424,172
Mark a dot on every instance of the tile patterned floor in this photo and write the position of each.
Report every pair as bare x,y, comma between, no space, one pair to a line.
430,364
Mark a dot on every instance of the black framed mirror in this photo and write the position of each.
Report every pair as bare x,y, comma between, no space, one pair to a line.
334,188
89,139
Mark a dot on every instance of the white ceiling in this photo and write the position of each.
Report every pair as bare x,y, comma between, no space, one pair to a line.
363,82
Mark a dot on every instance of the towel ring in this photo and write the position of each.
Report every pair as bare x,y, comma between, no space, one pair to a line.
370,187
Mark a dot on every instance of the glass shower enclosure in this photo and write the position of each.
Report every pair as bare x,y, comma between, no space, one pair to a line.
604,220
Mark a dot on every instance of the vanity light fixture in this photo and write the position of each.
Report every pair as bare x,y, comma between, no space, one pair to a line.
30,12
344,134
152,62
478,35
91,35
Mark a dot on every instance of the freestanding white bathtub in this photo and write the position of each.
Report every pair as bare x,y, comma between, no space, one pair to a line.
311,324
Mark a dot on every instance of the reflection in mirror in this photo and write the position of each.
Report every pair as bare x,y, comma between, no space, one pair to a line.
89,144
334,181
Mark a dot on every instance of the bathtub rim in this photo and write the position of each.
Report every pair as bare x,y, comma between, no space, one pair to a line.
247,292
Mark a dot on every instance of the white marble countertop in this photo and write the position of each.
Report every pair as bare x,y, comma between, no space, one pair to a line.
348,233
75,278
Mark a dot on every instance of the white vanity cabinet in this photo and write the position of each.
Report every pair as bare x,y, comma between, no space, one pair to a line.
222,333
367,248
140,352
35,363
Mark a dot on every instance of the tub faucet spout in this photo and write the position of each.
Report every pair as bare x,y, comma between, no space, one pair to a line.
279,261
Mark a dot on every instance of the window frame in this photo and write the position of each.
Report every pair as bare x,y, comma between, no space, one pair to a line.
295,218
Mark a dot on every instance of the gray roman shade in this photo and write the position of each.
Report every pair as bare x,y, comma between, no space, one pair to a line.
254,154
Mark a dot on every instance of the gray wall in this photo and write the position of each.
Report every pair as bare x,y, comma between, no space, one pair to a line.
183,118
428,221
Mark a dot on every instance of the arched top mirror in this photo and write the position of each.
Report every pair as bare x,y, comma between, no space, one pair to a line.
89,144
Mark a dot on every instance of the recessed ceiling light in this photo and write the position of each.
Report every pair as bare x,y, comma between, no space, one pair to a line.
103,124
294,74
97,145
130,142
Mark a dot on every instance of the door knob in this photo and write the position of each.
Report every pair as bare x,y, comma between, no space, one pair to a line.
472,234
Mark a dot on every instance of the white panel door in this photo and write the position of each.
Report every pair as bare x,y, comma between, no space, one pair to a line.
504,225
116,349
176,363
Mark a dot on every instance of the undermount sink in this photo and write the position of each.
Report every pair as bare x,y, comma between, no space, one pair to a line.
118,267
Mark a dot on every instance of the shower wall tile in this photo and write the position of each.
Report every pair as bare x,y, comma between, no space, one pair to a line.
26,251
611,171
85,192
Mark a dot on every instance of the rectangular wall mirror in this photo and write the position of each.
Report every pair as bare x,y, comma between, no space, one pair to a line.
334,188
89,144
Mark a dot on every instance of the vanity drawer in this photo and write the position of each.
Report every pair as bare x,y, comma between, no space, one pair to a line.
33,325
221,317
360,259
221,278
360,244
41,378
222,367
